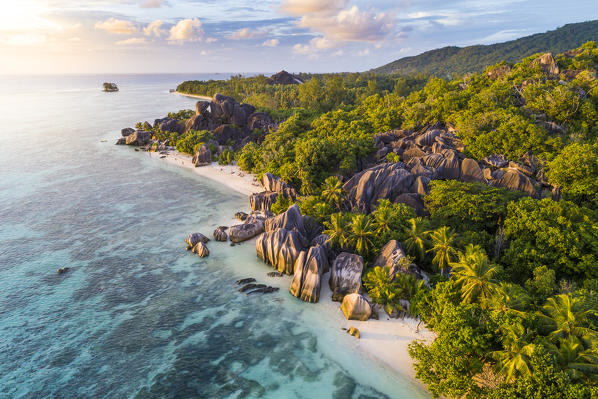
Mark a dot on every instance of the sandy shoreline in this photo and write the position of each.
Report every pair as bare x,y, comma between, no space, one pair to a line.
193,96
385,340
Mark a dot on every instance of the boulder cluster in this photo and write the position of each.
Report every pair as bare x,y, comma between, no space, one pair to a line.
435,153
273,187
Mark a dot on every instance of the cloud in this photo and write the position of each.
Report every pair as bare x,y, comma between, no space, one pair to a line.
211,40
117,26
321,7
315,45
363,53
351,25
186,30
246,33
271,43
153,29
133,40
26,39
152,4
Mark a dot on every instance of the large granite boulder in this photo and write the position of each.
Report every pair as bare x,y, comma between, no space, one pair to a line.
226,133
251,227
195,238
291,219
202,157
471,171
127,131
171,125
548,64
139,138
307,280
199,122
260,121
355,307
393,257
201,249
276,184
262,201
387,181
513,179
201,107
428,138
345,276
280,248
496,160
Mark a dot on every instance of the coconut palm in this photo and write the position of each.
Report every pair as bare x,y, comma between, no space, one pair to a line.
509,296
415,244
332,192
360,234
514,359
442,240
336,230
565,316
382,215
575,359
475,274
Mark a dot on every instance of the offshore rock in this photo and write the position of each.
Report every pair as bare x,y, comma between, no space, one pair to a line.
307,280
220,234
139,138
127,131
194,238
280,248
355,307
345,277
201,249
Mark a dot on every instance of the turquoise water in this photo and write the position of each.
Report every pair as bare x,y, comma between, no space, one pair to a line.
137,315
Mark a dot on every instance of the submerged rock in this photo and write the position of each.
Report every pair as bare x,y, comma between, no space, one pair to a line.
355,307
345,277
251,286
245,281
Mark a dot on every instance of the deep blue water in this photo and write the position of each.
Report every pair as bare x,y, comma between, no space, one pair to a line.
137,315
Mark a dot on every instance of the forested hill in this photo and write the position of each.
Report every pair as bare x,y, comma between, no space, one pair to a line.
450,61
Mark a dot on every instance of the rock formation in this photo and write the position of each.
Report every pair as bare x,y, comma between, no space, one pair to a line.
345,276
202,157
194,238
127,131
274,187
284,78
220,234
289,220
251,227
139,138
391,256
201,249
280,248
307,280
355,307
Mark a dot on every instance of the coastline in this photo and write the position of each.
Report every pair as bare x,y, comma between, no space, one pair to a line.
385,340
206,98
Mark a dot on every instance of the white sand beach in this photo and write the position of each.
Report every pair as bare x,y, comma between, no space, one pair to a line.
193,96
229,175
384,340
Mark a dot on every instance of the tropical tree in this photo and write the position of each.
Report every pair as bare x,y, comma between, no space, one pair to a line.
565,316
509,296
514,359
332,191
474,272
336,229
382,218
442,240
572,356
360,234
415,244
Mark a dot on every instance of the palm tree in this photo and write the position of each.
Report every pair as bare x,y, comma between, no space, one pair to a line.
565,316
360,234
514,360
415,244
475,273
575,359
382,215
442,247
509,296
332,192
336,229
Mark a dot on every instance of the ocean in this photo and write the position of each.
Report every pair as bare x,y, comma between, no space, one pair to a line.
137,316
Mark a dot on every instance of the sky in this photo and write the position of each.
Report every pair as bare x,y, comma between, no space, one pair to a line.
170,36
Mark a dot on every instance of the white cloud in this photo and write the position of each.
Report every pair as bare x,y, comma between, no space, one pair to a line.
338,53
152,4
321,7
186,30
271,43
315,45
154,29
363,53
501,36
211,40
246,33
133,40
117,26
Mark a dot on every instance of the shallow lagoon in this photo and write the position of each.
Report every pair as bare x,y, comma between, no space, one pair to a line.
137,316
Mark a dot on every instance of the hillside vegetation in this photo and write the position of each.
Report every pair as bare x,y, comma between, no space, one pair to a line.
455,61
513,292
